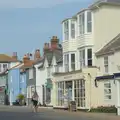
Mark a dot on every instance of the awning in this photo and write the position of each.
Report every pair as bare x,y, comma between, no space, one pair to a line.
106,77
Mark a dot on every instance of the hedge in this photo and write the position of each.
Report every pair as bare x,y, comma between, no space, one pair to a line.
105,109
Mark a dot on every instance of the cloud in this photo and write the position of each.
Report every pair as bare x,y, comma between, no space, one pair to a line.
33,3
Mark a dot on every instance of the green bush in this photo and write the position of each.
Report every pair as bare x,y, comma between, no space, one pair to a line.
20,97
105,109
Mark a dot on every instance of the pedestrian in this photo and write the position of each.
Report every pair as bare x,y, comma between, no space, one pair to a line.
35,101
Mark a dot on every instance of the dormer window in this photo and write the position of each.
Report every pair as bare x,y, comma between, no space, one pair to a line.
66,30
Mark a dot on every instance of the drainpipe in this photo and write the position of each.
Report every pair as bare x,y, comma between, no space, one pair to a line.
90,92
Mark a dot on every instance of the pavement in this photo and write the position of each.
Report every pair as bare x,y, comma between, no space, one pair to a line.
24,113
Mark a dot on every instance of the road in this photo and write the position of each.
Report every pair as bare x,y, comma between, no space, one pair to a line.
24,113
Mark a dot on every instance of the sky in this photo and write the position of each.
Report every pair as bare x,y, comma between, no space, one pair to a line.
26,25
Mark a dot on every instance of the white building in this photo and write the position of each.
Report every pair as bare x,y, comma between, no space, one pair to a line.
50,63
108,77
83,35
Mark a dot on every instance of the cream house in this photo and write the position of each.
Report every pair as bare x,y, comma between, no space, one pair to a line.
83,35
108,77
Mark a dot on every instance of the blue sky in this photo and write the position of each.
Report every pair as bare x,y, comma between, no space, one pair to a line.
27,24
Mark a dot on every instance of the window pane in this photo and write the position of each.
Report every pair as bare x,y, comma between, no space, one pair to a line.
72,57
81,23
89,16
73,30
89,62
107,91
89,27
106,60
89,22
108,97
89,53
66,30
107,85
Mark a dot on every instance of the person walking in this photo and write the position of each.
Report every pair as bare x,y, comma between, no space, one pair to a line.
35,101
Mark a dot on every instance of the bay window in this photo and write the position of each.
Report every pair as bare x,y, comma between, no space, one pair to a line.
72,29
89,22
66,30
82,23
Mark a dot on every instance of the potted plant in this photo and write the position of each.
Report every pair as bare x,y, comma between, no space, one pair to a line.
21,97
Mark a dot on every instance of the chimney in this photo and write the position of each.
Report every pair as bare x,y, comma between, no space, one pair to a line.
54,42
46,47
14,56
37,54
26,59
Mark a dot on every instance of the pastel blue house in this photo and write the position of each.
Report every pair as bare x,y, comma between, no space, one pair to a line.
13,84
16,83
23,85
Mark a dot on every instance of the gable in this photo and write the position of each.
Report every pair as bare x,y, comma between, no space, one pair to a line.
110,47
45,63
53,61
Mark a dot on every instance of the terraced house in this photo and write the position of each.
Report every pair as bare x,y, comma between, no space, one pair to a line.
49,63
83,35
5,63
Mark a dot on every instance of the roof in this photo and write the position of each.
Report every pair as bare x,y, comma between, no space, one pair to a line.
100,2
6,58
49,56
110,47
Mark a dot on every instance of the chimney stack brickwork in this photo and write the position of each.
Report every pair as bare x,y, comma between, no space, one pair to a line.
14,56
37,54
54,42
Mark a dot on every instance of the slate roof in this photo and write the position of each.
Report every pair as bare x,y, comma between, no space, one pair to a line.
49,55
100,2
114,44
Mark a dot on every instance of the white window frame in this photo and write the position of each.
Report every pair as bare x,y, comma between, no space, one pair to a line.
89,21
82,23
66,30
109,88
106,64
31,76
73,29
82,58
